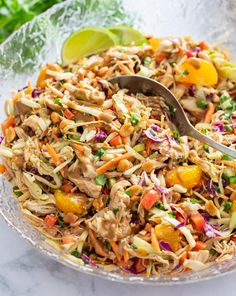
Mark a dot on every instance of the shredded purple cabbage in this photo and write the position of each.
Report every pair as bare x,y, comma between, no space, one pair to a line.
165,246
103,86
219,127
131,269
150,133
210,231
155,127
101,136
1,139
36,92
161,189
20,89
178,213
191,91
211,189
34,171
179,225
88,260
204,214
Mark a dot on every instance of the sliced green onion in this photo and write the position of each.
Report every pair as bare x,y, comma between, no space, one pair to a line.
228,206
228,128
176,135
226,157
139,147
111,182
204,131
185,72
172,215
147,61
159,206
101,180
206,147
115,210
232,179
134,120
194,201
17,191
100,152
202,104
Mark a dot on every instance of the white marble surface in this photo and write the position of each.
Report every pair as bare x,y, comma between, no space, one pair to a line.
26,272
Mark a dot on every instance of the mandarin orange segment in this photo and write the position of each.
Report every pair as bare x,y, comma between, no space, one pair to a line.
198,71
69,202
187,176
167,233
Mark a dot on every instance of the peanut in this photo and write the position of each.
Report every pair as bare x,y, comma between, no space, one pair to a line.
55,117
10,134
211,208
126,129
149,166
124,165
135,190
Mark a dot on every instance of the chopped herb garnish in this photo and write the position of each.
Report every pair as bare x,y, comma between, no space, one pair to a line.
122,50
206,147
100,152
228,206
133,246
171,109
75,253
139,147
111,182
228,128
17,191
101,180
128,192
172,215
57,102
159,206
185,72
204,131
232,179
115,210
212,252
194,201
147,61
172,64
202,104
226,157
60,221
134,120
176,135
107,245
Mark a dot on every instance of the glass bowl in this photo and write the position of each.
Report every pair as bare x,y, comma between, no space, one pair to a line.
40,40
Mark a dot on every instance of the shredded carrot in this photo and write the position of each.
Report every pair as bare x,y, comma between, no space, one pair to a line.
203,45
98,246
54,90
199,246
68,114
67,187
9,122
68,239
78,147
2,169
41,81
139,266
209,113
148,146
53,154
154,241
112,163
126,256
183,257
115,249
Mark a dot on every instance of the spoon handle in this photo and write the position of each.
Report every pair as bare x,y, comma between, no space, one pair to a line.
192,132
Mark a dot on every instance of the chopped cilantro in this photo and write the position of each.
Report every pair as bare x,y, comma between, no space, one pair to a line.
159,206
60,221
185,72
206,147
232,179
57,102
107,245
133,246
115,210
172,215
212,252
75,253
147,61
17,191
171,109
204,131
128,192
100,152
226,157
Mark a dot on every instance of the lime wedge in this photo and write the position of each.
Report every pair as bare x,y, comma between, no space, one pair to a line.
86,42
128,35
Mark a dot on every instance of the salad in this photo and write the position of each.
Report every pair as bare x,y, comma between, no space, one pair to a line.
99,172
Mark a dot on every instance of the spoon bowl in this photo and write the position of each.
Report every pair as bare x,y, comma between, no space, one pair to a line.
177,118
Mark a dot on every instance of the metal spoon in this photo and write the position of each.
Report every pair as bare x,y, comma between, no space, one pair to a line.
138,84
